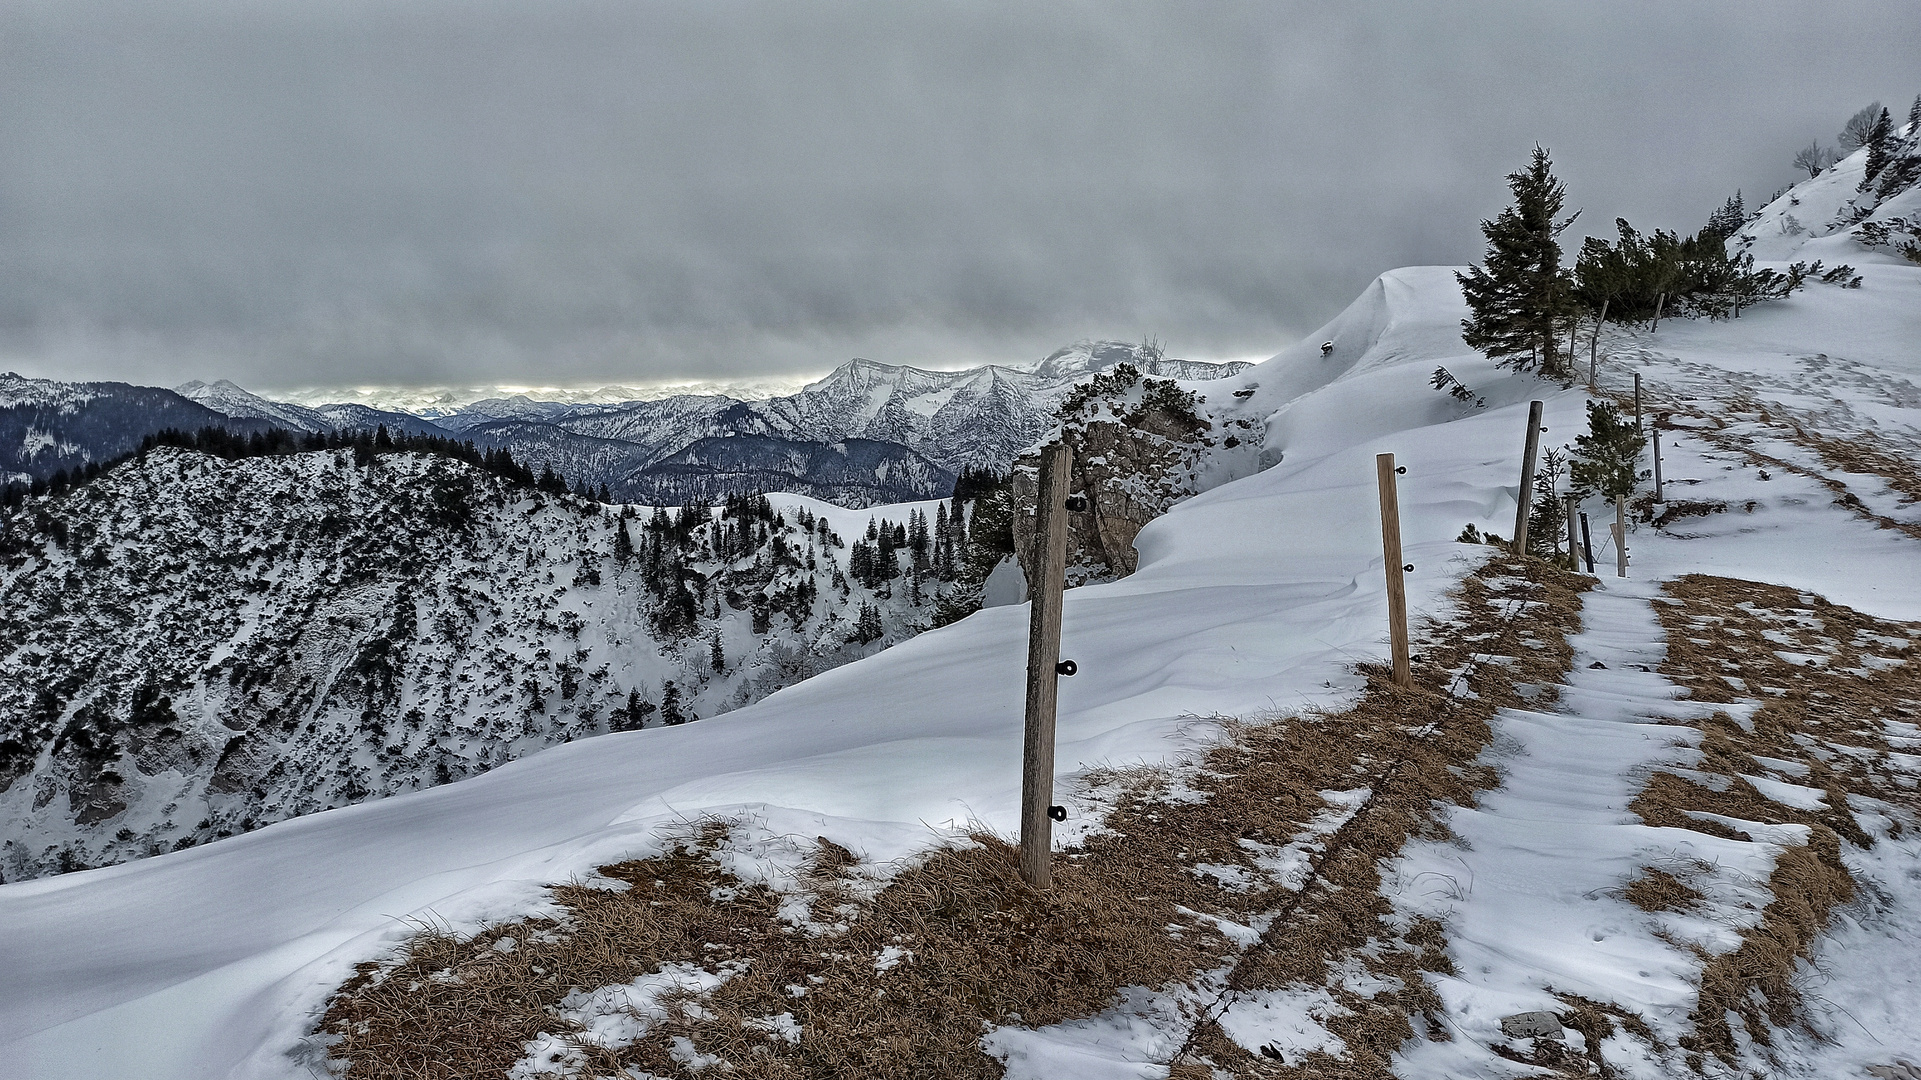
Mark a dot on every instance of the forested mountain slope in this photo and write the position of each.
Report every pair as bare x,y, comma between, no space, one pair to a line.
195,647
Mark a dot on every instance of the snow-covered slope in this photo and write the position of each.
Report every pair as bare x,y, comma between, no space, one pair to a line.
228,397
1257,594
191,648
1823,217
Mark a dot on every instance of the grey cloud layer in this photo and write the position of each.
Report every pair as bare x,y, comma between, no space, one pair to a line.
286,193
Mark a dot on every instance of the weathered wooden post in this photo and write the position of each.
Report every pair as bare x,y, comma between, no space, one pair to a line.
1637,401
1656,432
1526,501
1044,667
1620,536
1573,552
1587,543
1384,473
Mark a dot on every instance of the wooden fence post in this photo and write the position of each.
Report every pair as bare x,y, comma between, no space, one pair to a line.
1620,536
1637,402
1526,501
1657,463
1573,552
1384,473
1044,667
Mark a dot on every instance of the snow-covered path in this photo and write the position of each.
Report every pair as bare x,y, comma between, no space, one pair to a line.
1532,891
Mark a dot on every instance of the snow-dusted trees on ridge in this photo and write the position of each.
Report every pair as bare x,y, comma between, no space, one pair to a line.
1641,277
1859,128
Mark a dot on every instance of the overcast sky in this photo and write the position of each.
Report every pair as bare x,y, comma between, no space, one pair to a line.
571,193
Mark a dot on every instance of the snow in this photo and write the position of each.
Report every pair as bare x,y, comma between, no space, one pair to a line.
613,1017
17,391
1285,1023
1255,595
436,401
1134,1038
1531,892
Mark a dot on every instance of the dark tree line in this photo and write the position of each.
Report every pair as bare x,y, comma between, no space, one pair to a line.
280,442
1525,305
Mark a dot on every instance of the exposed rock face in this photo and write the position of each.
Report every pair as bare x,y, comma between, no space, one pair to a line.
1137,443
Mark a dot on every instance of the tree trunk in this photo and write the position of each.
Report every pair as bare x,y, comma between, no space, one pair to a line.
1594,343
1660,303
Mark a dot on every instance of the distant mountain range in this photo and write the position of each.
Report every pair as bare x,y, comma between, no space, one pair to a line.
867,433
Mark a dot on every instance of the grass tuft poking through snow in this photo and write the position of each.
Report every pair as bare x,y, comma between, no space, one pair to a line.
1336,985
1832,690
956,969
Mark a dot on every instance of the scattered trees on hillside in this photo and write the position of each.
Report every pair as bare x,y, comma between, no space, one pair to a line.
367,446
1641,277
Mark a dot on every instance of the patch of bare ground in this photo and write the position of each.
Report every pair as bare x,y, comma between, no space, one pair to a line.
1507,648
1837,690
1858,454
903,982
1658,890
1861,454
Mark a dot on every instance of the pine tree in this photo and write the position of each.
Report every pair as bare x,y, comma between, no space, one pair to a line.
1521,295
623,544
670,713
717,657
886,566
1881,146
1547,514
1728,220
867,628
1607,459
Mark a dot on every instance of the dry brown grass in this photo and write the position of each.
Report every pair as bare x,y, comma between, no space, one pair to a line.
1808,881
1861,454
1658,890
1517,612
984,948
1829,679
1855,455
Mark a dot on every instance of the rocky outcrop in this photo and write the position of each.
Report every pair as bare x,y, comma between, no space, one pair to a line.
1137,444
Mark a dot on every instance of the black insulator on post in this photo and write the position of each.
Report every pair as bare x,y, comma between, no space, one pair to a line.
1066,667
1058,813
